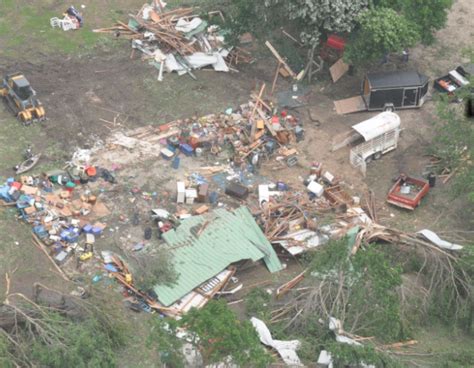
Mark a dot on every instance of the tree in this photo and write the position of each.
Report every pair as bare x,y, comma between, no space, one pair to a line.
317,17
427,15
453,143
381,31
221,335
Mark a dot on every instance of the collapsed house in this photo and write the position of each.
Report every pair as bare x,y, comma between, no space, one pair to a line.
203,246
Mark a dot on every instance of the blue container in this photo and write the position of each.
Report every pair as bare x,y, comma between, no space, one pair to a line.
213,197
175,163
96,230
282,186
87,228
186,149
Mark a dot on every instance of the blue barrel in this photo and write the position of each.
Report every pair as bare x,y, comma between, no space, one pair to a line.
175,163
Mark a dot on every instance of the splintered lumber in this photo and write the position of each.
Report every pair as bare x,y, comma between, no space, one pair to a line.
291,37
252,115
283,289
267,123
280,59
39,244
449,176
400,344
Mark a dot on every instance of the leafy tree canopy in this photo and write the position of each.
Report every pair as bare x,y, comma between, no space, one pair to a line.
318,17
427,15
381,31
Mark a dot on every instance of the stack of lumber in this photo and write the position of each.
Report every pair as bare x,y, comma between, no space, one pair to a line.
161,25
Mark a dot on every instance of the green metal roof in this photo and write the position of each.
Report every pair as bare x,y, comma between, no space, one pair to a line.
228,237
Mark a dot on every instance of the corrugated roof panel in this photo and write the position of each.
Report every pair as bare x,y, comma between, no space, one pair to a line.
228,237
377,125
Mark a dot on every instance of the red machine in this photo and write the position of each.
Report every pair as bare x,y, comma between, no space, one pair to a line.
333,48
407,192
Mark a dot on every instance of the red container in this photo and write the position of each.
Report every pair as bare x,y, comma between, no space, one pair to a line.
336,42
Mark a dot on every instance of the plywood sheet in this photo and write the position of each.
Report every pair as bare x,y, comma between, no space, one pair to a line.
338,69
351,104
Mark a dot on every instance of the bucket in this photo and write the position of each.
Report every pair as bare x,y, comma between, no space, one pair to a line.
431,179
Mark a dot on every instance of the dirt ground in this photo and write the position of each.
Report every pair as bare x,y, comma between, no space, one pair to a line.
82,92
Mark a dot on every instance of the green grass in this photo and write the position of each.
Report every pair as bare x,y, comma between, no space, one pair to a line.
26,30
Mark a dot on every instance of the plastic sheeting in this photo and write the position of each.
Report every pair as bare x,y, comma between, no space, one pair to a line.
196,61
286,349
436,240
325,359
186,26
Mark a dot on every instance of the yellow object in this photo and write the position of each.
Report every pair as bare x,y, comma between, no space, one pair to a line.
39,112
260,124
86,256
21,98
128,278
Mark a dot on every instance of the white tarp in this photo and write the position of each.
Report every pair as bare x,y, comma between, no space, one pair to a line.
325,359
286,349
307,238
196,61
335,325
436,240
186,26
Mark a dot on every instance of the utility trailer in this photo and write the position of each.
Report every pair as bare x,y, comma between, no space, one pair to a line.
387,92
407,192
370,139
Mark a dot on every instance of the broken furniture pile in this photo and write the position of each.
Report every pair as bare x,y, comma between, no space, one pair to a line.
71,20
176,40
252,132
297,220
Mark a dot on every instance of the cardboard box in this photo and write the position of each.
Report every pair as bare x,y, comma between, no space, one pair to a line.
181,188
201,210
191,195
236,190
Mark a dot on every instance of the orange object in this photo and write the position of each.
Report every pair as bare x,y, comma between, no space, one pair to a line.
91,171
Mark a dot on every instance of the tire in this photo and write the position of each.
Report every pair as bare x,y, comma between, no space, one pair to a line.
389,108
377,155
369,159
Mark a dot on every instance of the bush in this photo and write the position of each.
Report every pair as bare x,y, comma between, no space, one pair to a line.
257,304
221,335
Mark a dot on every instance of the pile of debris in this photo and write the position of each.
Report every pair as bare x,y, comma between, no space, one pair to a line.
253,132
177,40
62,211
72,19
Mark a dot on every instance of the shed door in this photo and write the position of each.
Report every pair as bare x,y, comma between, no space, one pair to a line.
409,97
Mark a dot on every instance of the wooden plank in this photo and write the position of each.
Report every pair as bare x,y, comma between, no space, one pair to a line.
40,245
251,119
338,69
280,59
351,104
267,123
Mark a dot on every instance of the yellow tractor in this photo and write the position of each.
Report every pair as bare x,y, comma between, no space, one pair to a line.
21,99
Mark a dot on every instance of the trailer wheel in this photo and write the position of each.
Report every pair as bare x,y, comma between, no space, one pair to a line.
369,159
389,107
377,155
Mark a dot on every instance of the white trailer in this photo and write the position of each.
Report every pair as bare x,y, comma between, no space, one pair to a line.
371,139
